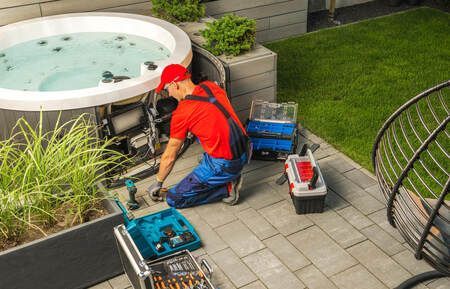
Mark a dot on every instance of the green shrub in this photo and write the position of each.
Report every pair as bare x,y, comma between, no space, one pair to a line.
51,177
178,10
230,35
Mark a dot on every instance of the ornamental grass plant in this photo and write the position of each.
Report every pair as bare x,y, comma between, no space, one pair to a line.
49,178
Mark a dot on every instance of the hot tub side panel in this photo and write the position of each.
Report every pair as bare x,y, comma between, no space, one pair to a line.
8,118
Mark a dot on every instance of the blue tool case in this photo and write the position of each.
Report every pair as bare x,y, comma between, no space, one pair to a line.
272,128
161,233
272,140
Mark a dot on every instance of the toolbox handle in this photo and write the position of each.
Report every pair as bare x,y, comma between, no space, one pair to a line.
127,216
207,268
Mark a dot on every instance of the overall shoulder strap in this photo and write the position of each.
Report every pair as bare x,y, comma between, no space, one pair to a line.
211,98
239,142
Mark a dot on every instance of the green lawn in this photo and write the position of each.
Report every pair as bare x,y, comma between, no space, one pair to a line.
348,80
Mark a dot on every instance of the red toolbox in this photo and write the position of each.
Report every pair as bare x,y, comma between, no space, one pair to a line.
306,184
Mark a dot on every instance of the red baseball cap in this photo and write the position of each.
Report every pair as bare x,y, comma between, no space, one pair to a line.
172,73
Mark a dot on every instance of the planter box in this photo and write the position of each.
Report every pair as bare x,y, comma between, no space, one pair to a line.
275,19
74,258
250,76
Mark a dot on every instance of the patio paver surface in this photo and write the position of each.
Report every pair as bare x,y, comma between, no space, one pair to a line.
262,243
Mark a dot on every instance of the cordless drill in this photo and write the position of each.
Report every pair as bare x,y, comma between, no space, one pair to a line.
132,190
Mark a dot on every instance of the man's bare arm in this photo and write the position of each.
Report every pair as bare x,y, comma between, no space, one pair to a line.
168,158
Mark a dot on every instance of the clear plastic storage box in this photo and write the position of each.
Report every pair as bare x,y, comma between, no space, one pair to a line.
285,112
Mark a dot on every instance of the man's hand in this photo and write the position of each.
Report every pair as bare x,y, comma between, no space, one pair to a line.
154,191
167,161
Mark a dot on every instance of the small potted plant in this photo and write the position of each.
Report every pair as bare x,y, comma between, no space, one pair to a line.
230,35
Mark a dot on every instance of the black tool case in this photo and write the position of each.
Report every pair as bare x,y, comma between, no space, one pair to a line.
176,271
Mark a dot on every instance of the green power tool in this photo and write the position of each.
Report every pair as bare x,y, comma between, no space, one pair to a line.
132,190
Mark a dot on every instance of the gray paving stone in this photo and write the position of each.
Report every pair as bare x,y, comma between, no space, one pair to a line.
348,160
367,204
218,279
340,164
324,253
260,196
185,163
211,241
271,271
379,264
347,189
337,228
409,262
383,240
380,219
152,204
357,277
103,285
234,269
255,165
356,196
218,214
354,217
282,190
259,226
314,279
322,153
255,285
198,252
255,176
283,217
194,149
330,174
286,252
142,202
119,282
375,192
334,201
240,238
153,208
360,178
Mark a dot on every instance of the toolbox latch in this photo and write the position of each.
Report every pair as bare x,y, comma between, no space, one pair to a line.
206,268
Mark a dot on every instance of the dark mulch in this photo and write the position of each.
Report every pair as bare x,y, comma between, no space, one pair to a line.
319,20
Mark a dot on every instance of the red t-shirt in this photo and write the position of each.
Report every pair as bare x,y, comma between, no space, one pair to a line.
205,121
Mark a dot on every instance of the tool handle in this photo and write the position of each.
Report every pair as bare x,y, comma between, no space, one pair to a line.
127,216
281,180
314,147
315,178
208,269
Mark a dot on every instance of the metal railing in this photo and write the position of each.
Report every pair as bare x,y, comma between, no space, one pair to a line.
412,163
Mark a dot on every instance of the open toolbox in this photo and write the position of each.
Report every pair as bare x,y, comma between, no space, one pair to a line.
272,128
161,233
306,184
179,270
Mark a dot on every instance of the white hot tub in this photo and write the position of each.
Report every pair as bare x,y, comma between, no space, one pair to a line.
29,101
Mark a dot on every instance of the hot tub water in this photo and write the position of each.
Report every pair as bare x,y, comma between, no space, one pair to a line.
75,61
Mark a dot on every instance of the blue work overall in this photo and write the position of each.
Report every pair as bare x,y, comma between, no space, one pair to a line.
208,181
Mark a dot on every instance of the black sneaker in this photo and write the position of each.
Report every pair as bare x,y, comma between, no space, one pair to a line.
233,196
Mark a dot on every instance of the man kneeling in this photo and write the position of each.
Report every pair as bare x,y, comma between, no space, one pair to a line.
205,111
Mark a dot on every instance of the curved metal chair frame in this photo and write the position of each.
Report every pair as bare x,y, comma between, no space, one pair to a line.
412,163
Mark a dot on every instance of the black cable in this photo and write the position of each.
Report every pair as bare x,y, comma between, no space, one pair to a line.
415,280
